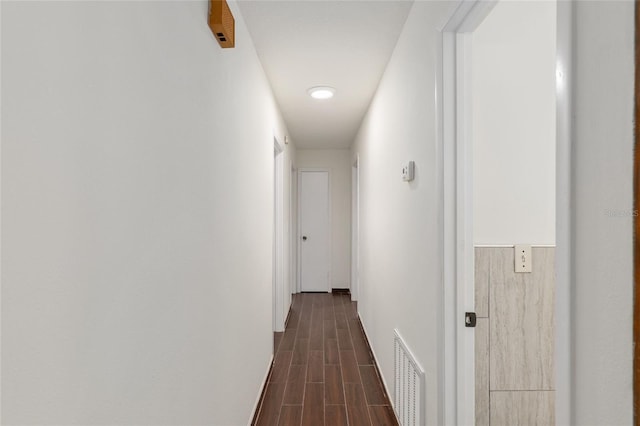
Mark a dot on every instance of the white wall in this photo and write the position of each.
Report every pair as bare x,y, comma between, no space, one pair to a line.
603,196
339,162
400,260
136,208
513,124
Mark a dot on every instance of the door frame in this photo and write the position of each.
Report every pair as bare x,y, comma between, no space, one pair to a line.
457,357
565,278
458,293
293,237
299,233
278,237
355,230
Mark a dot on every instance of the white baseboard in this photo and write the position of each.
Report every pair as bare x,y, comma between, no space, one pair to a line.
262,388
375,359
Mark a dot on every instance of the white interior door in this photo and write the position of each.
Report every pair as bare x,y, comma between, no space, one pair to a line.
315,233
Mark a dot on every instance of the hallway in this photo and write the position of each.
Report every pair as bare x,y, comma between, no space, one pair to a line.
323,373
145,215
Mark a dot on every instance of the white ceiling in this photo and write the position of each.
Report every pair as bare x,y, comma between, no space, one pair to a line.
342,44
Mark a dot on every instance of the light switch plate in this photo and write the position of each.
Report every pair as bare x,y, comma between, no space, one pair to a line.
523,260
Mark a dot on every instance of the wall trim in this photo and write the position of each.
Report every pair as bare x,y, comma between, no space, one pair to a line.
375,360
256,405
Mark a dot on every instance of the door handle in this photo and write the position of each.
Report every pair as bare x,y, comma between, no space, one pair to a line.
304,238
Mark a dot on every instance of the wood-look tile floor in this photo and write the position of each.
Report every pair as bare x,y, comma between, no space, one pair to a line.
323,371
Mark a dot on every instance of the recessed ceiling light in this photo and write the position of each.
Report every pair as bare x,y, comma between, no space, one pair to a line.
322,92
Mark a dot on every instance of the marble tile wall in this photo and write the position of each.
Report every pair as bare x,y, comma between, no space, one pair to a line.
482,265
522,408
514,338
482,372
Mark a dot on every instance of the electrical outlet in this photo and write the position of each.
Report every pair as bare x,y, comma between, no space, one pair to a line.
523,261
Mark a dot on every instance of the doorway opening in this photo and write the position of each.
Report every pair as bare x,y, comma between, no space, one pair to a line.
355,231
294,286
279,291
458,220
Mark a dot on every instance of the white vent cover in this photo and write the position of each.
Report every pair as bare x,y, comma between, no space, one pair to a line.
408,398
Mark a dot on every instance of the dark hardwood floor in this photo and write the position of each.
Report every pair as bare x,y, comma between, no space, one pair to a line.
323,371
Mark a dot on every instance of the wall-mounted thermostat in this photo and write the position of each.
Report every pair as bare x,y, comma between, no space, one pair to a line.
408,171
